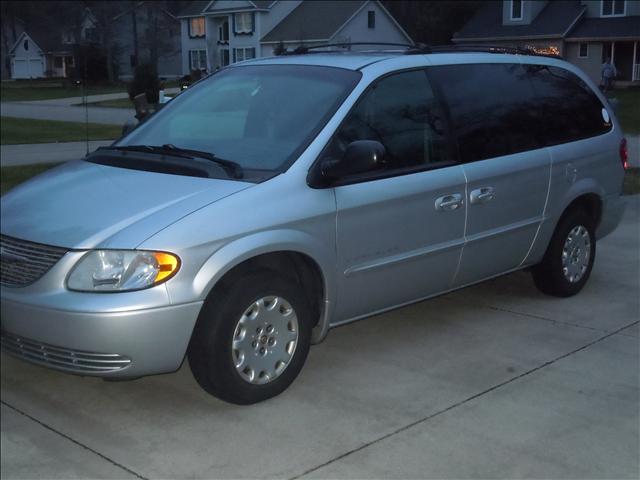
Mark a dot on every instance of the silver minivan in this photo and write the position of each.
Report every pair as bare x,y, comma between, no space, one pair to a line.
282,197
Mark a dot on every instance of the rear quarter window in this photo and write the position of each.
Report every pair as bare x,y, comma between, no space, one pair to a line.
501,109
571,109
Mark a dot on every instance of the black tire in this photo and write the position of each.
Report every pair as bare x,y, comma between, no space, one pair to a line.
548,275
210,351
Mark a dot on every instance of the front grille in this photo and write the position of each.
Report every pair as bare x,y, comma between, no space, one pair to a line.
74,361
22,262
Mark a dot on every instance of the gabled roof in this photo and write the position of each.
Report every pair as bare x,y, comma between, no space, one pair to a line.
194,8
314,20
263,3
47,42
202,7
555,19
618,27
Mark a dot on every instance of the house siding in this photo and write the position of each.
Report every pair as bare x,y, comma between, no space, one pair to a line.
590,65
356,29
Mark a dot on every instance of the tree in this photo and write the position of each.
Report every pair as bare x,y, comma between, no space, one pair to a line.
102,14
158,21
433,22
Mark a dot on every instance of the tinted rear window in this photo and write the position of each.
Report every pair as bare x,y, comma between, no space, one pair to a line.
502,109
572,111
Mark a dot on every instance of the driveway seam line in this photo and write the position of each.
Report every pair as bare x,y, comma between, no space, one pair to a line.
72,440
461,402
530,315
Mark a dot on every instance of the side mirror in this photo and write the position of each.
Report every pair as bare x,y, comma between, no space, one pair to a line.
360,156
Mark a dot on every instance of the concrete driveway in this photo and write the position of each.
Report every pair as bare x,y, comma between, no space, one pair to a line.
493,381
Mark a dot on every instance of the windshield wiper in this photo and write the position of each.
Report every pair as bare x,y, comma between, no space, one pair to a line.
142,148
233,168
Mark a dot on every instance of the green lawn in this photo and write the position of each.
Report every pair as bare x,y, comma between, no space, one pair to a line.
628,111
12,176
26,90
23,130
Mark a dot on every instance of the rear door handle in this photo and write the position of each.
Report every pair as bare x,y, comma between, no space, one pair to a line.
449,202
481,195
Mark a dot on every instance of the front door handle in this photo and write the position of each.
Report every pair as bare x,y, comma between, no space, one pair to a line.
449,202
481,195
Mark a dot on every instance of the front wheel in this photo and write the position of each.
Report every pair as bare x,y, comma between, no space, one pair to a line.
252,338
567,264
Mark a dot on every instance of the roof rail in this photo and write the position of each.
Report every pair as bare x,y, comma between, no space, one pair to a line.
303,49
481,49
422,49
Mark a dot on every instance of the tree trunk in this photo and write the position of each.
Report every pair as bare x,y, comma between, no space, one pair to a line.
134,23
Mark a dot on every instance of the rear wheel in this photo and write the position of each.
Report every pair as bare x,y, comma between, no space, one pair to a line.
569,259
252,338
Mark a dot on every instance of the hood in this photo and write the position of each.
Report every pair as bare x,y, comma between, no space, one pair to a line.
86,205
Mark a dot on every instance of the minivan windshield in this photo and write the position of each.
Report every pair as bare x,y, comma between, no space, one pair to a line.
259,116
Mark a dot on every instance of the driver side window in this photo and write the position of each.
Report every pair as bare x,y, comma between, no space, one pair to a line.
401,112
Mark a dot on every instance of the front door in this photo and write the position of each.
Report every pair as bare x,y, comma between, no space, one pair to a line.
399,228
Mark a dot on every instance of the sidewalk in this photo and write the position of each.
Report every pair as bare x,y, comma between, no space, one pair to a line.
30,154
78,100
67,113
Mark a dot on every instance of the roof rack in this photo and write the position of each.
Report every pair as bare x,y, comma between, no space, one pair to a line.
480,49
303,49
422,49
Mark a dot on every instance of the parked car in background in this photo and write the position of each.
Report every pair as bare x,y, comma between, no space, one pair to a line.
281,197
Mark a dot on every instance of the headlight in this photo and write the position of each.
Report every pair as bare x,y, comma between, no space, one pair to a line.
121,270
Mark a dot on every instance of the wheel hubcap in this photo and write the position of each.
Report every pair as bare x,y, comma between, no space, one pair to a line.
265,340
576,254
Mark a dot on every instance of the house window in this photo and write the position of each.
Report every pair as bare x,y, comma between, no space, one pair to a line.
196,27
371,19
613,8
240,54
91,34
198,59
224,57
25,45
516,9
223,32
584,50
243,23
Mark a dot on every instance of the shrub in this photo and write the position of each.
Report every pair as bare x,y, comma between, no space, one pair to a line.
145,80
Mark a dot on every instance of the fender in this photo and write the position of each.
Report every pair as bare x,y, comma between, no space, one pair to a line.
245,248
581,187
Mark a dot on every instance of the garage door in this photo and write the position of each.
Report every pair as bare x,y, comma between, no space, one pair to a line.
35,68
27,68
20,69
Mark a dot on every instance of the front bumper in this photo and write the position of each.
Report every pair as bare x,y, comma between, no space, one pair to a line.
118,344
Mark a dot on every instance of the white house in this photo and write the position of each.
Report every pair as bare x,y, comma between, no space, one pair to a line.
217,33
31,58
50,52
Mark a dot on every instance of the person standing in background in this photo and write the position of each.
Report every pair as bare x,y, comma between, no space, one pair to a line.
608,75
